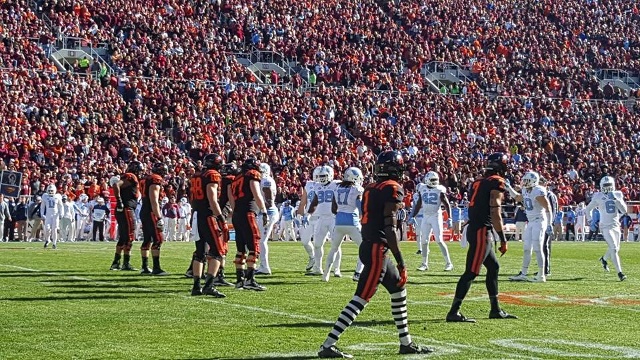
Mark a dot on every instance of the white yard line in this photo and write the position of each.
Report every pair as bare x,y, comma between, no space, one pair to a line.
291,315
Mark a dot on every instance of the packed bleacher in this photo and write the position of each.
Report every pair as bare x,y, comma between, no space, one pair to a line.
67,127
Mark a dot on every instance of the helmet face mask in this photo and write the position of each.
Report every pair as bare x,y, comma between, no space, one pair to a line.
530,180
160,169
51,189
607,185
323,175
135,167
251,163
432,179
497,163
265,170
229,169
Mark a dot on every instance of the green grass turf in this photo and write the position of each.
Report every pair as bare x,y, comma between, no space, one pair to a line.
66,304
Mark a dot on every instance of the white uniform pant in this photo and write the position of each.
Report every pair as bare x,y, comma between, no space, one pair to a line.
520,227
433,224
321,231
170,226
335,254
287,230
51,226
265,233
580,229
417,229
67,231
534,241
612,236
82,222
183,235
306,234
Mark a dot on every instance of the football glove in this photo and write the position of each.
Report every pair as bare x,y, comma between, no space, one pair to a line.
549,230
403,275
160,224
305,221
119,206
265,219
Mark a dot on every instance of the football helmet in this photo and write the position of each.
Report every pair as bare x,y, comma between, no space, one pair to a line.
265,170
432,179
135,167
114,180
229,169
165,200
354,175
497,163
184,201
51,189
530,179
324,175
389,165
251,163
83,198
160,169
212,161
607,185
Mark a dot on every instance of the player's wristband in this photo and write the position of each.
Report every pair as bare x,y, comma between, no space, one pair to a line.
511,191
399,259
501,236
220,218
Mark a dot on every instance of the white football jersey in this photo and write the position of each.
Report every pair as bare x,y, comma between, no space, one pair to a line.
186,210
532,206
51,206
610,206
325,194
268,182
310,189
347,198
431,199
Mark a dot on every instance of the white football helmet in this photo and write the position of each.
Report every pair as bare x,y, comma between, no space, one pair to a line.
432,179
265,170
324,175
83,198
530,179
607,185
165,200
354,175
184,201
51,189
114,180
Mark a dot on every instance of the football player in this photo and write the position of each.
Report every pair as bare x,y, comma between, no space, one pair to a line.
268,185
431,197
346,206
287,229
306,220
581,222
534,198
82,216
416,221
126,192
183,220
610,203
321,207
151,218
51,211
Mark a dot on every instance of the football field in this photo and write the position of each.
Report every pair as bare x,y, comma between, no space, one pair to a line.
66,304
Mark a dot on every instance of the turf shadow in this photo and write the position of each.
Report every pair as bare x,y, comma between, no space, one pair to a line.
61,298
270,358
316,324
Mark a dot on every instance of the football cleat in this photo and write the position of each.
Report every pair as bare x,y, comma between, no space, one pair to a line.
448,267
519,277
54,246
605,264
458,317
253,285
332,352
220,281
414,348
325,276
356,276
310,264
159,272
196,291
115,266
46,243
262,272
419,252
539,279
622,276
189,274
212,291
128,267
423,267
145,271
337,274
501,315
314,273
240,285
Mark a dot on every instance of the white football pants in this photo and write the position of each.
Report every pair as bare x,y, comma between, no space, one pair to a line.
612,237
265,233
533,240
335,254
433,224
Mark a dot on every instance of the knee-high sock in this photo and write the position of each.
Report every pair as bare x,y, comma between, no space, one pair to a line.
346,317
445,252
399,313
425,252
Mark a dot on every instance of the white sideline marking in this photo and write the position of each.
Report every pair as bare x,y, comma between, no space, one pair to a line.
284,314
521,344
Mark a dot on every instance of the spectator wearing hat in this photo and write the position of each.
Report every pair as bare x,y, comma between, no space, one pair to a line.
21,216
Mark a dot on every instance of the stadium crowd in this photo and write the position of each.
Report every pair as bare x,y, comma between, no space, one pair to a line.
76,130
